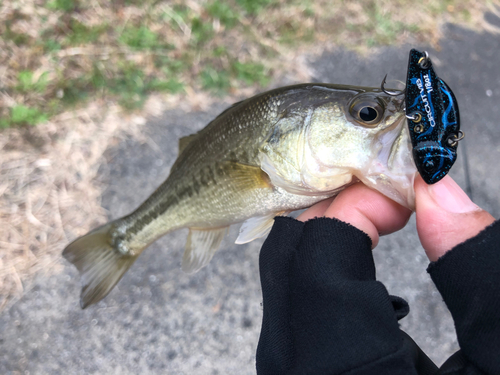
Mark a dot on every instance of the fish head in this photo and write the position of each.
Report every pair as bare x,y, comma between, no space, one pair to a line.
336,135
367,141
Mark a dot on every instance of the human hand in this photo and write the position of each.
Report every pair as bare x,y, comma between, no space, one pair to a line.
446,216
364,208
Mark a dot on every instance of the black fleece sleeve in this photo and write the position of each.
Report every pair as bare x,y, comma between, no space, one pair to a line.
324,312
468,278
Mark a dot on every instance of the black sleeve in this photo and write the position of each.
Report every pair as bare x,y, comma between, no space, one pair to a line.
324,312
468,278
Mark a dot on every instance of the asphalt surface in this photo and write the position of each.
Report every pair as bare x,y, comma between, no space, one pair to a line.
161,321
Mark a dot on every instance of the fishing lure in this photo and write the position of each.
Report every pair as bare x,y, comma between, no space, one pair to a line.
433,119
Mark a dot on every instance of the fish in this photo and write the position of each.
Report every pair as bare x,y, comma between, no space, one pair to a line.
276,152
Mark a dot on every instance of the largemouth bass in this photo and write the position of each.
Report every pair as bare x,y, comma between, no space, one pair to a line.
276,152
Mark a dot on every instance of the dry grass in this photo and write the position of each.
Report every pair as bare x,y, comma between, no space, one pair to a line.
50,188
49,193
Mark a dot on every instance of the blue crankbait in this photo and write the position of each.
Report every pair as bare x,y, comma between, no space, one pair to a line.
433,119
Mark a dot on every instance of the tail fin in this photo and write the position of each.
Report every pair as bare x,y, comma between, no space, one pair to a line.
100,265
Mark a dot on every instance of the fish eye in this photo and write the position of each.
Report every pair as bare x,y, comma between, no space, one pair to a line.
366,112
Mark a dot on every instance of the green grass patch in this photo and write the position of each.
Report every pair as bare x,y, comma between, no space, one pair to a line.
220,81
62,5
254,7
81,34
22,115
139,38
385,28
27,84
201,31
170,85
50,45
177,15
217,81
223,12
251,73
168,66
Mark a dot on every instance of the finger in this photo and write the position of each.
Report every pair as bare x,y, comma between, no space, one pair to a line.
446,216
369,211
317,210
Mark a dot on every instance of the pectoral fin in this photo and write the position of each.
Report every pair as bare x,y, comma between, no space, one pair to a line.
245,177
201,246
256,227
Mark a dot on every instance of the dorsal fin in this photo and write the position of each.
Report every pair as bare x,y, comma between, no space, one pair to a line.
184,141
232,106
229,108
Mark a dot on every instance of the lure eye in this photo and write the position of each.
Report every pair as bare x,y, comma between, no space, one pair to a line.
366,112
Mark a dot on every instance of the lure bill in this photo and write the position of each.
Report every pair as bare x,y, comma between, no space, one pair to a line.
433,119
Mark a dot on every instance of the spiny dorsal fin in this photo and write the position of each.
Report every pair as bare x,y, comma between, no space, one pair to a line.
184,141
256,227
234,105
201,246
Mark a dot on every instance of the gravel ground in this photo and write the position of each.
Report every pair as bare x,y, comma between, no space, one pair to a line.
159,320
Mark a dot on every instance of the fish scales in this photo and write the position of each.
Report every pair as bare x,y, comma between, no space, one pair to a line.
200,158
278,151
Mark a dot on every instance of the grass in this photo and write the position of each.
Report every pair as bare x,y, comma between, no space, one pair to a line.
59,54
140,38
27,83
21,114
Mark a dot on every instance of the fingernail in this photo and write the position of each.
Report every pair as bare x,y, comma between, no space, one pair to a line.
450,197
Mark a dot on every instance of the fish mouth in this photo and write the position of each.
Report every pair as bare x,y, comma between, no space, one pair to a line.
392,170
392,141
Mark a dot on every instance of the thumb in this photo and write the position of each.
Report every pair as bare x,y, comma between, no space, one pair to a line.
446,216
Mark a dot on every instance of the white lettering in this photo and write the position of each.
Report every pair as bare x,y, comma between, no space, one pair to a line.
425,100
428,84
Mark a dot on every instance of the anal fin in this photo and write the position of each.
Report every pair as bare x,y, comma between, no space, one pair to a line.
201,246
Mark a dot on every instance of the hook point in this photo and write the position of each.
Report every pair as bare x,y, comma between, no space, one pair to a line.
390,93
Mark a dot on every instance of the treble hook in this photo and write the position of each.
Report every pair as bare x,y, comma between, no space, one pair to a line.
391,93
